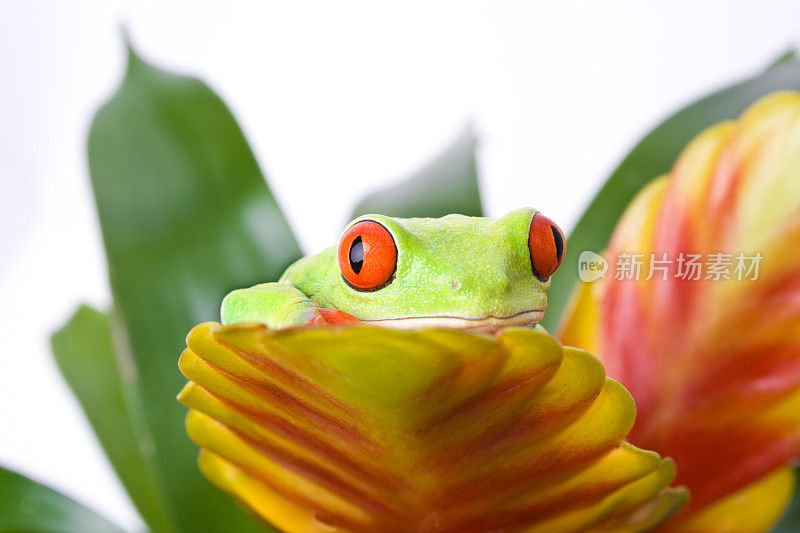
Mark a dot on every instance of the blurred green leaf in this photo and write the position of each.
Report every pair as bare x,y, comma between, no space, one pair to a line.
27,506
448,184
186,216
85,354
652,157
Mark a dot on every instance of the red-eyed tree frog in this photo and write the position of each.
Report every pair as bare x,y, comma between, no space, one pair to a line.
461,272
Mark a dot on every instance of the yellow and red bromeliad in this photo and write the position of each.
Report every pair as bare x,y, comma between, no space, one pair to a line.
713,363
363,428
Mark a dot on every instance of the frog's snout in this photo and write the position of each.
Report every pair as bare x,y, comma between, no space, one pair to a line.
547,246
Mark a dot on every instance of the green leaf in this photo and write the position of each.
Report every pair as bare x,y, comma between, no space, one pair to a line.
85,354
652,157
448,184
27,506
186,216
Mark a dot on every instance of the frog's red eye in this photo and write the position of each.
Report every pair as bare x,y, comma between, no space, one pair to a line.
546,244
367,256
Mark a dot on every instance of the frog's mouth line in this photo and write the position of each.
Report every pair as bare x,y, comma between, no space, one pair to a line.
488,324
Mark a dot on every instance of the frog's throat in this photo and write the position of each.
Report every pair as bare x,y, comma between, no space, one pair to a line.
489,323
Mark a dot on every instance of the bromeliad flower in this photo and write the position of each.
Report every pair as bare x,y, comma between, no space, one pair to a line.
370,429
699,317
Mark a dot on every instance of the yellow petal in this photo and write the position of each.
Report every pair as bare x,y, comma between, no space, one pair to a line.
755,508
371,429
582,318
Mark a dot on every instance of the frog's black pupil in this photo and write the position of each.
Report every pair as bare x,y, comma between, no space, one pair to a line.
357,255
559,240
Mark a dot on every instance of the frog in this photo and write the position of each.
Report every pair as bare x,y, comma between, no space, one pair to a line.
461,272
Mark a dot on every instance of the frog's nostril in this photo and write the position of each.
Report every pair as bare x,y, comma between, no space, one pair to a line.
455,285
547,246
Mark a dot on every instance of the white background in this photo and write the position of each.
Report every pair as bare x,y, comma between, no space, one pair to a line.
335,98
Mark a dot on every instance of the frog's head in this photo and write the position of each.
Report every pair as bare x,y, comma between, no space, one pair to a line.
455,271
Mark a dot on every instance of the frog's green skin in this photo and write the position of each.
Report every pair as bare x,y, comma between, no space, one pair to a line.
455,271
